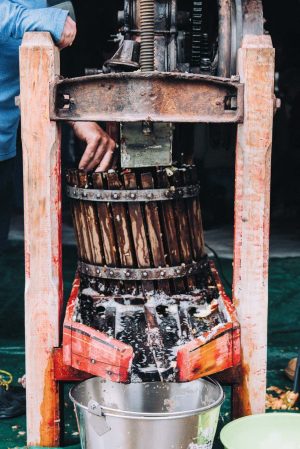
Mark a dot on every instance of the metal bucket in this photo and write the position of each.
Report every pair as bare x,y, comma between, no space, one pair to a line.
147,415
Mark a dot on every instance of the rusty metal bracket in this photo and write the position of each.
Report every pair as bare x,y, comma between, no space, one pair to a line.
145,195
151,96
137,274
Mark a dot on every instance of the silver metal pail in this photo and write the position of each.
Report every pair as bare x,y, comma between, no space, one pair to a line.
151,415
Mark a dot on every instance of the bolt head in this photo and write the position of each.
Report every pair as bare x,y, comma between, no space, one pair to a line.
145,274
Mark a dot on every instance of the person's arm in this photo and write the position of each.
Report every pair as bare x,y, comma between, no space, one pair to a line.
15,20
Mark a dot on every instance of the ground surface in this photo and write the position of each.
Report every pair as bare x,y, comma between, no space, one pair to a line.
284,330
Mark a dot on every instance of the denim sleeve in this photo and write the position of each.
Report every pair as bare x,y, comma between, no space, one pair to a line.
15,20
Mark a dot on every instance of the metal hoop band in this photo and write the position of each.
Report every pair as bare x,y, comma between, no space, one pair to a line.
132,195
141,274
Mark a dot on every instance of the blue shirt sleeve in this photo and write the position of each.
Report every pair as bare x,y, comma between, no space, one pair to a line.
15,20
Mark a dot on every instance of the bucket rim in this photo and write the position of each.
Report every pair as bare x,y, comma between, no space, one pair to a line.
232,424
108,411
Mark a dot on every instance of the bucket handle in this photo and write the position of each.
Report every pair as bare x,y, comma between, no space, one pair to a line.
97,418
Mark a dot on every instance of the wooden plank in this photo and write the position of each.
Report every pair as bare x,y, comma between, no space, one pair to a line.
39,64
107,231
195,360
184,237
155,232
91,221
85,247
106,226
138,230
73,206
123,230
252,209
83,218
66,373
170,231
194,216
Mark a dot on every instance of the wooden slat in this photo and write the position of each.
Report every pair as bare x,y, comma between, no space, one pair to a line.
86,251
92,223
74,207
194,216
123,230
138,230
107,232
154,231
184,238
170,231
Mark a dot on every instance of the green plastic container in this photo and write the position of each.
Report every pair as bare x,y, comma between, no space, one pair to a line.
267,431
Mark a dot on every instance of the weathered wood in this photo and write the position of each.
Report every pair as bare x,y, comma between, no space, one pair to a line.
184,238
194,217
122,229
83,217
106,226
154,232
91,223
39,64
138,230
74,205
252,208
170,231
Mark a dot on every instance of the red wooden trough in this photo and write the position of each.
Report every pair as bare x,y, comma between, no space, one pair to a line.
94,352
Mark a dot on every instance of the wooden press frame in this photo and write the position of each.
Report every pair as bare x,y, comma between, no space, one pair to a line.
39,66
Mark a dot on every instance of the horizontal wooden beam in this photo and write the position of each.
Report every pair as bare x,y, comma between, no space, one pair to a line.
154,96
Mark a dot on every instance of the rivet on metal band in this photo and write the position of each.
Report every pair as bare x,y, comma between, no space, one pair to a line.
136,274
145,195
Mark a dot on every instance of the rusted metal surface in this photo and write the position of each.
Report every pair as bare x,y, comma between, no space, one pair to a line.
163,97
252,208
145,144
134,195
140,274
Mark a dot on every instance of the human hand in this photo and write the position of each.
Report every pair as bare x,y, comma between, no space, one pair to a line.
68,34
100,147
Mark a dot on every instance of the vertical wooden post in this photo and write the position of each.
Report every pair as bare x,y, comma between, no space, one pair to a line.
39,63
252,209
